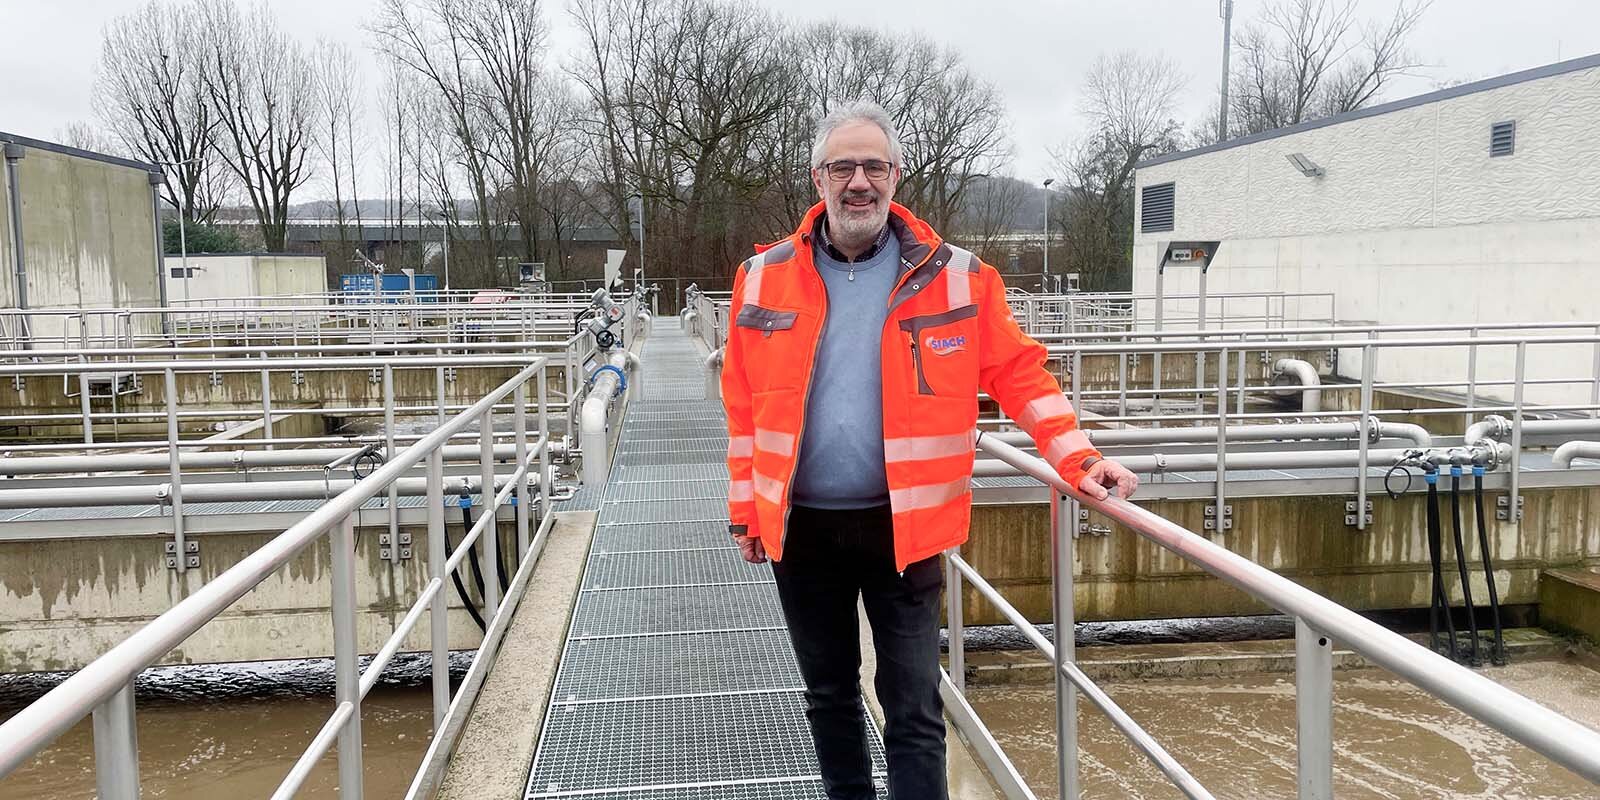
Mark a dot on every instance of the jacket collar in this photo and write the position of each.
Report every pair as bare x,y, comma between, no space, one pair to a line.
918,241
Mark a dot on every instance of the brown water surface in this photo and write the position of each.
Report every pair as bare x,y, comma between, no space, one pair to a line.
1236,735
238,749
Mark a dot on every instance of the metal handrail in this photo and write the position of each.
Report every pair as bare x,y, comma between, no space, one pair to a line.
1557,737
104,686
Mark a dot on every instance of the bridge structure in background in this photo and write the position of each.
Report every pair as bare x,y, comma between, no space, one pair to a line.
337,477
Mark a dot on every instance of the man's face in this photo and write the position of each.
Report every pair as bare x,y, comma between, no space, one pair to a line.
858,206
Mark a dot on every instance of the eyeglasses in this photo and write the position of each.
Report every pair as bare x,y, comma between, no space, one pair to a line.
845,169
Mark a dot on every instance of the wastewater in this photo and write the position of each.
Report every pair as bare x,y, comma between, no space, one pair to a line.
220,731
1236,735
235,731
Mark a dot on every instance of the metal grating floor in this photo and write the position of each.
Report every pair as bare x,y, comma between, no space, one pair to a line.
677,653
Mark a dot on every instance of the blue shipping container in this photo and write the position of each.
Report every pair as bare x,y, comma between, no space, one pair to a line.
395,288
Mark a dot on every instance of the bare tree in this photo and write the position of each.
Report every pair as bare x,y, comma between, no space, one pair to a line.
262,88
338,98
433,39
86,136
1307,59
951,123
150,95
1128,100
988,213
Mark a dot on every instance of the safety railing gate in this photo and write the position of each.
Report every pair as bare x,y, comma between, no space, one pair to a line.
1318,623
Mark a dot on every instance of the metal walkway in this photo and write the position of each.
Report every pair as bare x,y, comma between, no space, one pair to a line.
677,680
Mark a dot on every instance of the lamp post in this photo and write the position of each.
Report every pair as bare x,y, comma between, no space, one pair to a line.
1047,193
640,197
444,236
1224,10
183,239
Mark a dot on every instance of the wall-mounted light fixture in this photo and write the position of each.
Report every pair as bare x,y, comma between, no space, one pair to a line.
1306,166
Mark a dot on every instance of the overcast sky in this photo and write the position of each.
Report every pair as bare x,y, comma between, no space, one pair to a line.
1035,51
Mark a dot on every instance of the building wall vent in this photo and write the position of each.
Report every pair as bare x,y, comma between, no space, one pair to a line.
1502,138
1156,208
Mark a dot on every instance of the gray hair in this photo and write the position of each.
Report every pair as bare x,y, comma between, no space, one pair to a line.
852,113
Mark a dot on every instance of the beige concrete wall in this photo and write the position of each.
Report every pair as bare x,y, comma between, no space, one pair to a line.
280,275
1124,576
65,601
88,237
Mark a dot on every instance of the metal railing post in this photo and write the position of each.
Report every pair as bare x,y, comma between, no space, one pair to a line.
174,471
83,401
439,610
519,417
1364,437
346,670
1313,683
1077,382
954,624
116,747
1241,384
266,400
392,498
1594,385
1063,519
1220,517
1472,377
491,530
1514,498
1122,384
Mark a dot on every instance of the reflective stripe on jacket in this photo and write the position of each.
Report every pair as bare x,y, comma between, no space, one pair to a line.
949,335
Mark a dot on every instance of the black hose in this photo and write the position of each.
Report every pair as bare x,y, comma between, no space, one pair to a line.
472,553
1440,604
499,552
461,588
1473,658
1497,656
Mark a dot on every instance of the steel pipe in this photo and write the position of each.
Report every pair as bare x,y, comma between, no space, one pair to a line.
235,459
607,384
1415,434
1207,462
714,375
248,491
1495,428
1309,381
1565,453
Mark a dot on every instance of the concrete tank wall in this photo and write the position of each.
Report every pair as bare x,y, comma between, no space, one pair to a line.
65,601
1124,576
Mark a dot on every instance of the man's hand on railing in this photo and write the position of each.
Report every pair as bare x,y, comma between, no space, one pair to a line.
750,547
1104,474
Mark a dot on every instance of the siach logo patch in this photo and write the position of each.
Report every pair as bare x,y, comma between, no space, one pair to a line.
945,345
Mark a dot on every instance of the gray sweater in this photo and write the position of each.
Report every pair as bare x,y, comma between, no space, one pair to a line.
841,449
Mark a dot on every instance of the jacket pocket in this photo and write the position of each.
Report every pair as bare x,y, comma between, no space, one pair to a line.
764,319
941,345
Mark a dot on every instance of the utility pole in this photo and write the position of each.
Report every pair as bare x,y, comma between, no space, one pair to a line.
1225,10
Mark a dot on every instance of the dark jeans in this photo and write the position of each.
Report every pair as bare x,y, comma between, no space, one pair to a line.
830,558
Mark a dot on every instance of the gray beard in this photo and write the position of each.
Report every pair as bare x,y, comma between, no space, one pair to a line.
855,232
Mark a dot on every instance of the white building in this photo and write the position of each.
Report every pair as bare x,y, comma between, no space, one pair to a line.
1475,204
214,276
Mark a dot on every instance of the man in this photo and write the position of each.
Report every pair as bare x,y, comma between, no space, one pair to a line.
851,379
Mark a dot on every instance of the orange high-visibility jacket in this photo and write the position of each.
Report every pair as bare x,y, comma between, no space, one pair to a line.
949,334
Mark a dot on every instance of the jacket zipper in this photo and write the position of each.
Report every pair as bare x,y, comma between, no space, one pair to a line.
805,400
